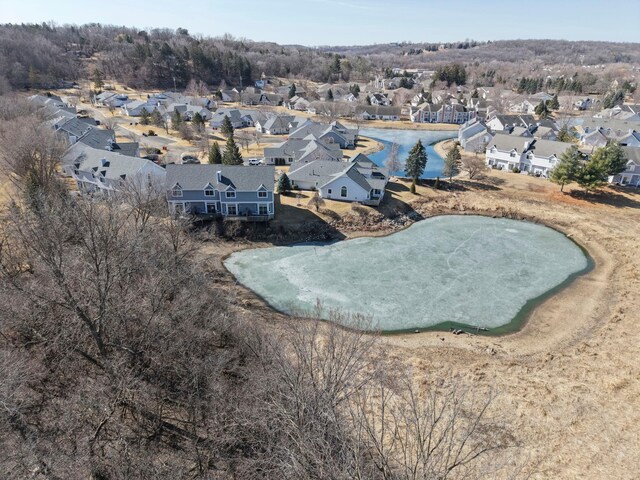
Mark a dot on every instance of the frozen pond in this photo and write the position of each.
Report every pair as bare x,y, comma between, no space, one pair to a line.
443,271
406,139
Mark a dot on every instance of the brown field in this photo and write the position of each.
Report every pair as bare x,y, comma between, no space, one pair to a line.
568,382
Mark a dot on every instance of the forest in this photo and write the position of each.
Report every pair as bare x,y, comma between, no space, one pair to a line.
41,55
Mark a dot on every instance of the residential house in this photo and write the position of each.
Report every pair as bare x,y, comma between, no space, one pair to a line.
474,136
631,176
583,104
524,105
333,133
228,96
621,112
102,171
239,118
500,123
298,103
271,99
375,112
275,125
448,113
359,180
135,107
110,99
379,99
231,191
301,150
537,157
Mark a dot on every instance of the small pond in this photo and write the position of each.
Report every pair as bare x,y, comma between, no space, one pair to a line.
406,139
443,272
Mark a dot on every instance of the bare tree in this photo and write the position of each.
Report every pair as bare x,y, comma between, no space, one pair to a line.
393,160
474,166
316,201
243,138
29,149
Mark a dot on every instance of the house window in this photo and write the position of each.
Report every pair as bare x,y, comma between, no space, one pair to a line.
230,194
209,192
232,209
176,192
178,208
263,209
329,191
211,208
343,192
512,154
262,194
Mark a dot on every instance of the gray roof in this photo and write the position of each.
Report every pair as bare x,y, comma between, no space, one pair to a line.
323,172
239,177
541,148
76,126
278,121
633,154
378,110
610,123
118,166
99,138
301,148
362,159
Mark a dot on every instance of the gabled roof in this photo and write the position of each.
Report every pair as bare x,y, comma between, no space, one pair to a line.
91,160
238,177
540,148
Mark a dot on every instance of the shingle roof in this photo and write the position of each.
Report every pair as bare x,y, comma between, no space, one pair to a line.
91,159
240,177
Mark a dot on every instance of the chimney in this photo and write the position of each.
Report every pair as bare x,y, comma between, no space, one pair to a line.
219,176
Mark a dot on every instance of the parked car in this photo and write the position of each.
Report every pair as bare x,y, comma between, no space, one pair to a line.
255,161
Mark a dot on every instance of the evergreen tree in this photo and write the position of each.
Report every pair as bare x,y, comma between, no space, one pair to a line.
231,154
355,90
215,156
542,110
335,65
592,175
156,118
416,161
611,158
292,90
368,100
197,120
568,167
98,79
176,119
226,128
452,162
554,104
475,93
329,95
145,118
566,134
284,184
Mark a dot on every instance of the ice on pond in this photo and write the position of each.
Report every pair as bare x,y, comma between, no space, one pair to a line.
472,270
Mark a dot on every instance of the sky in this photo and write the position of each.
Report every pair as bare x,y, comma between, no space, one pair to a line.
351,22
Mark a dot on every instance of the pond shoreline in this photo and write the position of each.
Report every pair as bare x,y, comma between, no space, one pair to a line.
516,325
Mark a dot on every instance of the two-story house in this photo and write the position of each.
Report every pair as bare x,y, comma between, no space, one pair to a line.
538,157
230,191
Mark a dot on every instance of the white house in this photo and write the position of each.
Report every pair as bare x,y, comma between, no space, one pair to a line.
537,157
358,180
631,176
